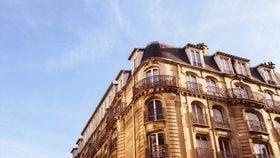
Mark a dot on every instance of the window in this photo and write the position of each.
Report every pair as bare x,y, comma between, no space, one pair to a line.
241,92
197,115
196,60
277,125
254,122
192,84
203,148
261,150
226,65
269,99
218,115
241,68
157,146
155,111
152,76
212,87
225,150
267,75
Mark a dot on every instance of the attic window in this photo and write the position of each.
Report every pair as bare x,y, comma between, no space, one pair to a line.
241,68
226,65
195,57
268,76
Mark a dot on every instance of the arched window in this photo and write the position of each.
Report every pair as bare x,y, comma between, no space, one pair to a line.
157,146
197,115
192,84
269,99
254,122
154,110
241,92
218,115
212,86
152,75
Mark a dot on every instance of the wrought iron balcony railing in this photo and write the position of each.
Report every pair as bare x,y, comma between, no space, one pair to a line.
113,145
101,138
199,119
154,117
256,126
273,105
157,151
248,95
215,91
154,81
225,154
221,124
194,87
204,152
263,156
115,111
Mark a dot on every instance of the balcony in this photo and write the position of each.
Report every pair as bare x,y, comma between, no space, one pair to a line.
157,151
204,153
253,98
198,119
113,145
215,91
225,154
114,112
273,106
263,156
221,125
101,138
194,87
154,81
256,126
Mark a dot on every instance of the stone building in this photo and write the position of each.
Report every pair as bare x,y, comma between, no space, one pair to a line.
186,102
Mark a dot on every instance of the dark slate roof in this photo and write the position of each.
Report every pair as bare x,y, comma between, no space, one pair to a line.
255,74
156,49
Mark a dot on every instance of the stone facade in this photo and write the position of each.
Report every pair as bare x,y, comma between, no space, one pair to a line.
184,102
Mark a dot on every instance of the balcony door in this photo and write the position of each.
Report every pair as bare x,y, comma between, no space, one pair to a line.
157,147
152,76
225,148
197,114
192,83
212,87
241,92
155,111
254,122
218,116
203,147
261,150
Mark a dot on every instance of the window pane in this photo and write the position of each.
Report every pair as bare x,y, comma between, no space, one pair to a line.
159,109
151,111
218,116
161,139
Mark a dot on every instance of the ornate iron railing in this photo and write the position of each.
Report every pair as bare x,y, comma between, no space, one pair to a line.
245,94
256,126
204,152
115,111
221,124
194,87
215,91
157,151
113,145
154,81
273,105
263,156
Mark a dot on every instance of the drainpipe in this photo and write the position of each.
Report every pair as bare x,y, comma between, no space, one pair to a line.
133,118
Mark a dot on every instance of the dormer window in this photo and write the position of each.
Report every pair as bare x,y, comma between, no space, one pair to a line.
226,65
267,75
195,57
241,68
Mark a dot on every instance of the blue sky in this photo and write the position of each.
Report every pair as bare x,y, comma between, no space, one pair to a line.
57,57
